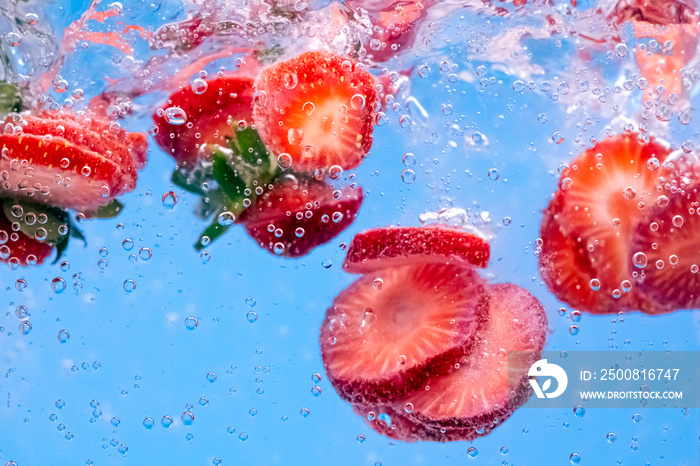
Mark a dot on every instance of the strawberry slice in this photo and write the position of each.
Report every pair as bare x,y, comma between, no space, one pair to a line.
666,248
60,160
388,332
298,214
20,249
378,248
319,108
474,399
211,116
588,226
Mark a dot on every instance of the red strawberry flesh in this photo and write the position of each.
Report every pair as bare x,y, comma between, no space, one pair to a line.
474,399
389,331
387,247
588,226
317,107
299,214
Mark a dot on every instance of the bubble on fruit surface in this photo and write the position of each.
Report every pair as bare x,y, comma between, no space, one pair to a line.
226,218
63,336
575,458
472,452
169,200
175,116
579,410
199,86
594,284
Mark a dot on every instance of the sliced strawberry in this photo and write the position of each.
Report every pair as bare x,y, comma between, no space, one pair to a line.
667,251
319,108
211,116
18,248
298,214
379,248
389,331
588,226
50,159
474,399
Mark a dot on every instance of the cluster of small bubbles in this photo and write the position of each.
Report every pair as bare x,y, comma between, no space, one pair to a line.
575,458
472,452
211,377
191,323
579,410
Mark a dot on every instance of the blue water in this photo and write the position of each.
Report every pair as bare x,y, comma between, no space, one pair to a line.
134,355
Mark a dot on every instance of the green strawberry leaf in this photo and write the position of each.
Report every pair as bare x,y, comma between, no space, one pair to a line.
212,232
61,247
44,223
10,99
111,210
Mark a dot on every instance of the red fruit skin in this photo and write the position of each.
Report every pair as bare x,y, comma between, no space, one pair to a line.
344,347
579,241
226,98
68,162
662,12
379,248
295,203
23,251
677,245
330,137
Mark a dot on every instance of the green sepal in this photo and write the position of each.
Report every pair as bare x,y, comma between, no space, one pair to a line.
213,231
111,210
55,218
10,99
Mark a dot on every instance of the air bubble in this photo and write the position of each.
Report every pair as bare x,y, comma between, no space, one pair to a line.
191,323
63,336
